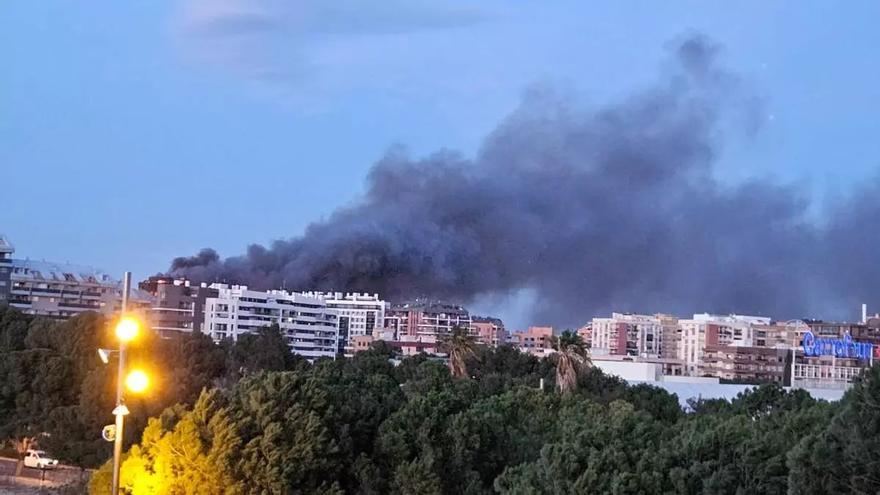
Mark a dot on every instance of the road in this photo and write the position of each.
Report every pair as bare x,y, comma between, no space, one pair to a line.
62,474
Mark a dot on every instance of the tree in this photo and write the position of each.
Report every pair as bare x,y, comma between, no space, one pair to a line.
843,454
54,387
264,350
417,477
21,446
13,328
571,359
189,363
496,432
182,452
363,426
459,345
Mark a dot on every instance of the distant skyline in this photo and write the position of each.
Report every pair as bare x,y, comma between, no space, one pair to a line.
121,122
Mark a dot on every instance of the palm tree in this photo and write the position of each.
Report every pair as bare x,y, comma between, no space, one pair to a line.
460,345
571,359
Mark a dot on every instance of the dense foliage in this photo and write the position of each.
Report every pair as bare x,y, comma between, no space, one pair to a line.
55,390
250,418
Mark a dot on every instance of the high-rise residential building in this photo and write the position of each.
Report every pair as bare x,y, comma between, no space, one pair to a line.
307,324
358,315
61,290
425,318
627,334
488,331
179,305
707,330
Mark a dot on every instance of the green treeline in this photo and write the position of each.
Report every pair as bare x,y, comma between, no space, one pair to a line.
250,417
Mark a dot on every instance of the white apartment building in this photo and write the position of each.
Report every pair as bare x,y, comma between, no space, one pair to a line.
714,330
358,314
308,325
628,335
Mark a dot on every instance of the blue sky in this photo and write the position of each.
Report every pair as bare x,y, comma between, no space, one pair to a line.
133,132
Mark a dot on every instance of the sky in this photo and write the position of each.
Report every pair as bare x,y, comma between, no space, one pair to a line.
135,132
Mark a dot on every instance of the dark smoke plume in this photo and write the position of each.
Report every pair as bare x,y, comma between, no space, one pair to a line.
613,208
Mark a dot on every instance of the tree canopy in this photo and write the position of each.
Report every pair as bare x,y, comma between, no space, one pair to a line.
249,417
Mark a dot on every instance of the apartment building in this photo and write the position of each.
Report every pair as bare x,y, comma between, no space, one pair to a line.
627,334
179,305
670,332
308,325
358,315
61,290
488,331
422,318
536,341
744,363
707,330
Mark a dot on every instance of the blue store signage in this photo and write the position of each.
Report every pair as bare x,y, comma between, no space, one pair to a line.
842,348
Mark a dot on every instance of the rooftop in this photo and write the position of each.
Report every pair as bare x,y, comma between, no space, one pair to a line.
62,272
429,306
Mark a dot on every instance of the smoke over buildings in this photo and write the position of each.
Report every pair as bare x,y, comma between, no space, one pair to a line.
608,207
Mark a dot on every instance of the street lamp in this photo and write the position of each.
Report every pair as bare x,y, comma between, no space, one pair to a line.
137,381
127,329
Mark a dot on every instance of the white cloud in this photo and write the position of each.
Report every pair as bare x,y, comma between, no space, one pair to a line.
283,41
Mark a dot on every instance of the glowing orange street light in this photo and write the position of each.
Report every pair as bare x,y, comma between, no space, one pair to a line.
137,381
127,329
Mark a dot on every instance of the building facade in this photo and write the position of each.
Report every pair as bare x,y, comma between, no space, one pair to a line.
358,315
307,324
178,305
745,364
536,341
707,330
488,331
423,318
61,290
6,252
627,334
670,332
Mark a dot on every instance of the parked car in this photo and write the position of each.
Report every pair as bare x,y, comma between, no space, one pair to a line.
38,459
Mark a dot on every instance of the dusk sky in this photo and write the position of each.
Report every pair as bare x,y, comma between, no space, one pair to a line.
134,132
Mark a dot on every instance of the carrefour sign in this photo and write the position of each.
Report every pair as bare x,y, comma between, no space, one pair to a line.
842,348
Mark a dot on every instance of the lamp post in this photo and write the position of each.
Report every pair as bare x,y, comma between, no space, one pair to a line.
124,334
127,329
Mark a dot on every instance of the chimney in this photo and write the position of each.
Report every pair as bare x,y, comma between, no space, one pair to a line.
864,314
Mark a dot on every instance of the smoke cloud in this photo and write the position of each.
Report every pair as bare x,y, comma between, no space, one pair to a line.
606,208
